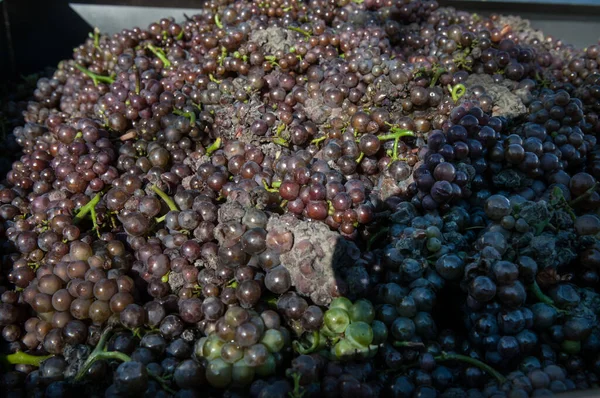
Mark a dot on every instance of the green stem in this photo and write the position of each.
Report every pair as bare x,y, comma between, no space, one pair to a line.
436,76
22,358
87,208
360,158
218,22
457,91
281,141
162,382
94,218
138,83
397,133
98,353
376,237
213,79
94,76
270,189
542,297
583,196
299,30
272,60
472,361
408,344
213,147
298,391
160,54
164,197
300,349
318,140
189,115
97,38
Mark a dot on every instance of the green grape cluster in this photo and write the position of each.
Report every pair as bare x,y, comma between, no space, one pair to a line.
242,346
349,331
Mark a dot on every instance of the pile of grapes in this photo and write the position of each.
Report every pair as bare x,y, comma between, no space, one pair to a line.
318,198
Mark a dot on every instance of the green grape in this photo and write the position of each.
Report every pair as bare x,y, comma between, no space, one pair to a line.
359,334
433,232
267,368
434,244
235,316
341,302
362,310
344,350
212,347
380,332
231,352
571,346
273,339
337,320
241,373
218,373
199,347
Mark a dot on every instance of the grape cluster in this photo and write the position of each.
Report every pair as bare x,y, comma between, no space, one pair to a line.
241,346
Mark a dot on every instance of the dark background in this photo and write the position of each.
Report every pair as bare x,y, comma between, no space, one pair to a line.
35,33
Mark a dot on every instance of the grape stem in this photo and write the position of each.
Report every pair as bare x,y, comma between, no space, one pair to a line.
164,197
360,158
99,353
96,36
301,349
189,115
542,297
218,22
457,91
408,344
298,391
213,79
396,134
302,31
438,71
318,140
278,139
471,361
160,54
138,82
94,76
273,188
87,208
376,237
23,358
583,196
213,147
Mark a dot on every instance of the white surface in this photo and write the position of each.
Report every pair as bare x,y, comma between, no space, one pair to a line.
112,19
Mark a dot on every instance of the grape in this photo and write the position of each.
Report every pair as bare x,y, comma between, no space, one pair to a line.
231,352
278,280
273,340
363,311
242,373
336,320
247,334
359,333
256,355
219,373
130,377
268,367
